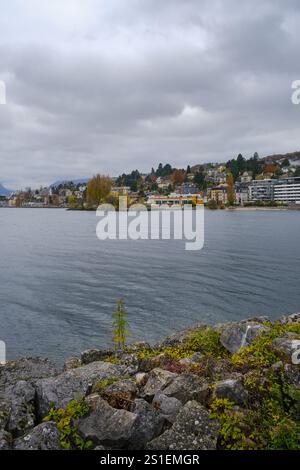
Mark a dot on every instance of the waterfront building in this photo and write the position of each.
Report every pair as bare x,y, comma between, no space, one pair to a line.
287,190
160,202
261,190
241,193
218,194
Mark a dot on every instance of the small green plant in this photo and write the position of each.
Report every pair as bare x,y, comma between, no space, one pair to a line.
207,341
120,326
147,354
112,360
64,417
259,353
270,422
102,384
293,328
285,436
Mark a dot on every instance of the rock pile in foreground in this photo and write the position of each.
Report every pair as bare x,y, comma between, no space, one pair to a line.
231,386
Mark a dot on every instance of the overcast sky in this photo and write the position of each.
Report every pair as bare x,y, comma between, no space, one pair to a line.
113,85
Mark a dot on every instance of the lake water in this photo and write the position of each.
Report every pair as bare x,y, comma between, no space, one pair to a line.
59,283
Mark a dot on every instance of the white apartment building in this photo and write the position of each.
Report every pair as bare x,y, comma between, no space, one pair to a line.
287,190
261,190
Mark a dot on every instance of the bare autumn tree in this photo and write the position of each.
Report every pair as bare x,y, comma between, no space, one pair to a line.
98,189
230,189
177,177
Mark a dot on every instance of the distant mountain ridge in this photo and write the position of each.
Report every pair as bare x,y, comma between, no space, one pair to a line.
4,191
77,181
289,156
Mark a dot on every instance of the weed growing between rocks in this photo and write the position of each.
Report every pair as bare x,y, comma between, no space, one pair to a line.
102,384
205,341
260,353
244,375
64,418
270,420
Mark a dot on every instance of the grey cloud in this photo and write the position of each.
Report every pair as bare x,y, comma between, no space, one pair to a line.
121,85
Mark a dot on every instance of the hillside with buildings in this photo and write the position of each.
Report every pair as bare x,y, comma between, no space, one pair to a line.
269,181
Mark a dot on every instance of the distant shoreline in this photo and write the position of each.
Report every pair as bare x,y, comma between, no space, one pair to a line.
230,209
257,208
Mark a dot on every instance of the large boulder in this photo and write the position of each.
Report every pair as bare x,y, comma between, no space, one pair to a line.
290,319
5,440
28,369
5,410
168,407
93,355
45,436
232,389
148,424
186,387
17,392
20,399
288,346
193,429
131,362
106,425
237,335
116,429
72,384
158,379
120,394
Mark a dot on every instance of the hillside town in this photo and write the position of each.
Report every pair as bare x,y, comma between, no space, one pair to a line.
269,181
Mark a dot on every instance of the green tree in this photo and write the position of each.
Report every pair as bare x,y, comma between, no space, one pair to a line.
297,172
285,162
212,204
134,186
255,165
98,189
233,167
120,326
241,163
199,180
73,202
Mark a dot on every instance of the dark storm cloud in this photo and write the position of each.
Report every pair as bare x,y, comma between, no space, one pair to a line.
110,85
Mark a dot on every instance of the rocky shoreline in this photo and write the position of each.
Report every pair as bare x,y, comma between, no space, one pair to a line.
231,386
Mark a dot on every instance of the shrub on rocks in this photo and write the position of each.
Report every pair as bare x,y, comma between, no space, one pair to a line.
66,430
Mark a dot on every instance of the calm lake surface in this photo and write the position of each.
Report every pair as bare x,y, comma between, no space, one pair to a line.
59,283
